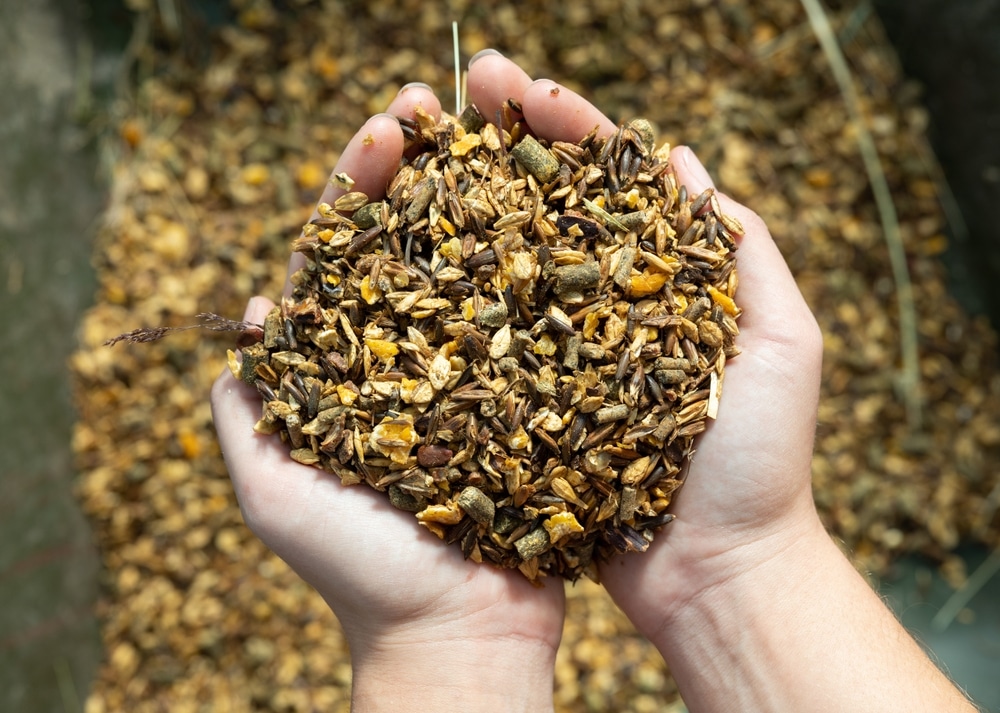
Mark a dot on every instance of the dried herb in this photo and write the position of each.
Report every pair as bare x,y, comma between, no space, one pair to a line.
212,322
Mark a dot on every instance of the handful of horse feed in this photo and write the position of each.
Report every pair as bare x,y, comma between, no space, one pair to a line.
518,345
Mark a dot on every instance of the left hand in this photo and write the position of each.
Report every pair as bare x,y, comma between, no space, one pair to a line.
422,624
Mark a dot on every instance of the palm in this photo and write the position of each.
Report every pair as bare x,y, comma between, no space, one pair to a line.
372,562
742,473
752,464
750,474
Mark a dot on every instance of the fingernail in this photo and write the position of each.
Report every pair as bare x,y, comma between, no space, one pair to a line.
483,53
697,172
414,85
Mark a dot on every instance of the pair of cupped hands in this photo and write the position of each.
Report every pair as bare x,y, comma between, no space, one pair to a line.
403,596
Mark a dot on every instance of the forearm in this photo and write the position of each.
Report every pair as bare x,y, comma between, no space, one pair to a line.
801,632
454,675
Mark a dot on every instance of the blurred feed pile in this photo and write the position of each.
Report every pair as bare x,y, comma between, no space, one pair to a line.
221,154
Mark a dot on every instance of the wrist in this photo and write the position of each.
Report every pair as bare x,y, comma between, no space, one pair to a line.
727,628
452,670
714,588
793,628
693,566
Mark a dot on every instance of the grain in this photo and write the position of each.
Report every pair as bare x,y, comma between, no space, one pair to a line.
500,322
740,82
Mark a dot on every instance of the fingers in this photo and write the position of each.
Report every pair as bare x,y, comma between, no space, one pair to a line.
371,158
776,318
559,114
690,171
235,410
551,110
492,80
410,97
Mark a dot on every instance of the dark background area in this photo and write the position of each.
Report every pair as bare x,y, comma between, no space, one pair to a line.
952,48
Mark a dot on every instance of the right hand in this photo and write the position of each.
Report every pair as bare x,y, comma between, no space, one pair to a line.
748,489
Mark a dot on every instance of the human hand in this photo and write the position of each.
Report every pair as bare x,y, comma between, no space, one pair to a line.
747,494
749,481
745,595
423,625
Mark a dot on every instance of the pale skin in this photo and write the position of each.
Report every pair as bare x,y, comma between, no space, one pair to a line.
750,603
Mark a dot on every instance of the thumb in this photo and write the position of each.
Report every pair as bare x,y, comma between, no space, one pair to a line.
774,311
236,406
690,171
780,341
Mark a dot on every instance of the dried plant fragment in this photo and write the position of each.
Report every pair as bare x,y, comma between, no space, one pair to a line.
212,322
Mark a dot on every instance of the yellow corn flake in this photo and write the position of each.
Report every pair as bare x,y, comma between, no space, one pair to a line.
446,225
255,174
394,437
545,346
370,293
562,524
382,348
310,175
468,310
233,363
438,530
451,249
189,443
347,396
332,279
724,301
590,324
518,440
449,514
466,144
406,389
647,283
